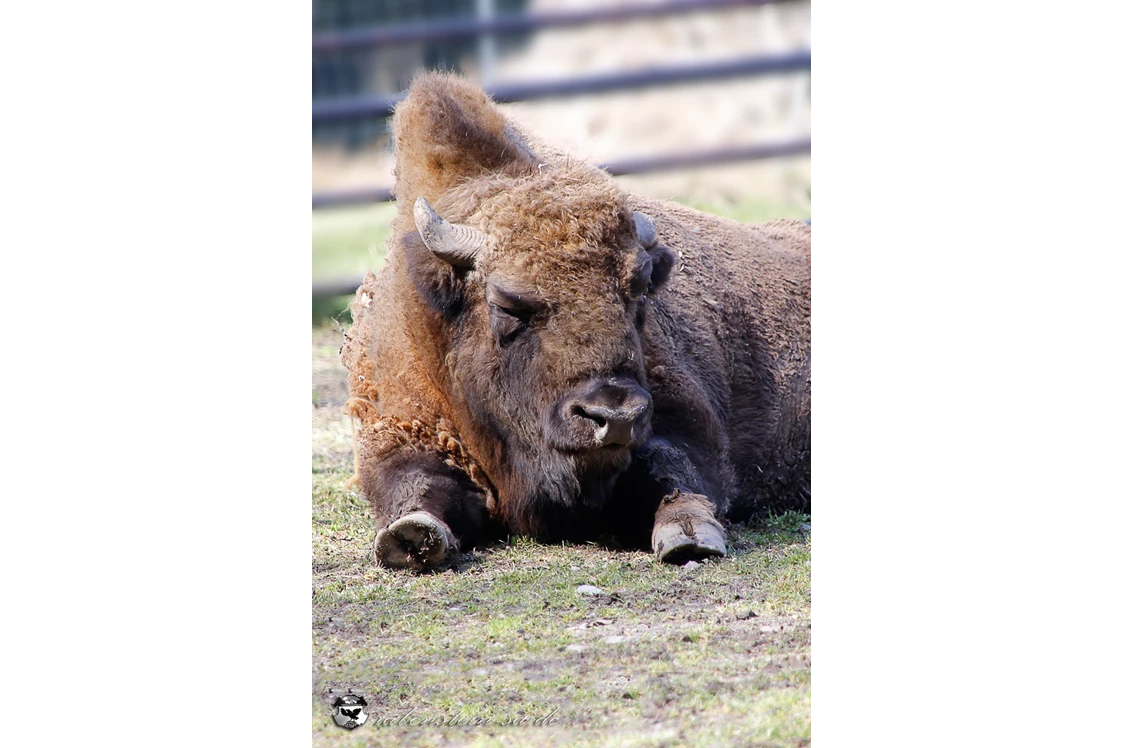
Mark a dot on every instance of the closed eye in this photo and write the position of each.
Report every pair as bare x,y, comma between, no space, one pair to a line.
641,311
512,311
516,303
523,315
507,323
640,281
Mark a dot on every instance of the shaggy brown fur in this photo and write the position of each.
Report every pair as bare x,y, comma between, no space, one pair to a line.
459,421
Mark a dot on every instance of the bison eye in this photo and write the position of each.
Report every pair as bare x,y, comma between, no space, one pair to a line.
641,311
512,310
507,324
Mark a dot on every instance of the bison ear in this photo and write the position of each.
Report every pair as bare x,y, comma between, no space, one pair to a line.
437,255
436,281
455,244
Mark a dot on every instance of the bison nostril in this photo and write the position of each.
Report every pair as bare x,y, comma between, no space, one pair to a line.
581,412
611,425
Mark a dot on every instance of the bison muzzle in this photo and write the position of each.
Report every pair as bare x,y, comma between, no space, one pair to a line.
543,354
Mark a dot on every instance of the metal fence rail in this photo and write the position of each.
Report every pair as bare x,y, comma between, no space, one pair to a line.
711,157
364,107
344,198
336,287
622,167
405,33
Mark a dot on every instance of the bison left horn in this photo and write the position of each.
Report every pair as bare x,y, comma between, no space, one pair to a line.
645,229
455,244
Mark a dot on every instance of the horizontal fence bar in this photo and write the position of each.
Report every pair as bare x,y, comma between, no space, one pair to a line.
344,198
382,36
371,107
336,287
622,167
708,158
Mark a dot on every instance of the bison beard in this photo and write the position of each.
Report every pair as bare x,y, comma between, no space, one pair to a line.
556,494
533,360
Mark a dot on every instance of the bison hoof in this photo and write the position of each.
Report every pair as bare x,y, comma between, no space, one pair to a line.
675,544
416,541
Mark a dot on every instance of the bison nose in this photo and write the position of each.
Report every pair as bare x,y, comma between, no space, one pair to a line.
613,425
616,413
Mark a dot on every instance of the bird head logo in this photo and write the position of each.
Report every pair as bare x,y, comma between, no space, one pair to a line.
347,711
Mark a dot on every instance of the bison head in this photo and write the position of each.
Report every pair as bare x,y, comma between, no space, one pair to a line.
537,291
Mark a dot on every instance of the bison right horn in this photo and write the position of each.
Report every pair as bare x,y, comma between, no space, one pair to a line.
645,229
455,244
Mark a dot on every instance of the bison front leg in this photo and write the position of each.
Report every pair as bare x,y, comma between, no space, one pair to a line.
416,541
687,522
686,529
427,511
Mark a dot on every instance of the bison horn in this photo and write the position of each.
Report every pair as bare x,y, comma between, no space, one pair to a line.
455,244
645,229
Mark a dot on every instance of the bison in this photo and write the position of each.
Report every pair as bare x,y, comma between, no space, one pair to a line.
543,354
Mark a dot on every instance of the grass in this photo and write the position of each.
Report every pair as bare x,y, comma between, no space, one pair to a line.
506,650
349,241
751,212
785,522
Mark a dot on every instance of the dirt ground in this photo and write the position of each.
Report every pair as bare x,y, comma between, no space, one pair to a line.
501,650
